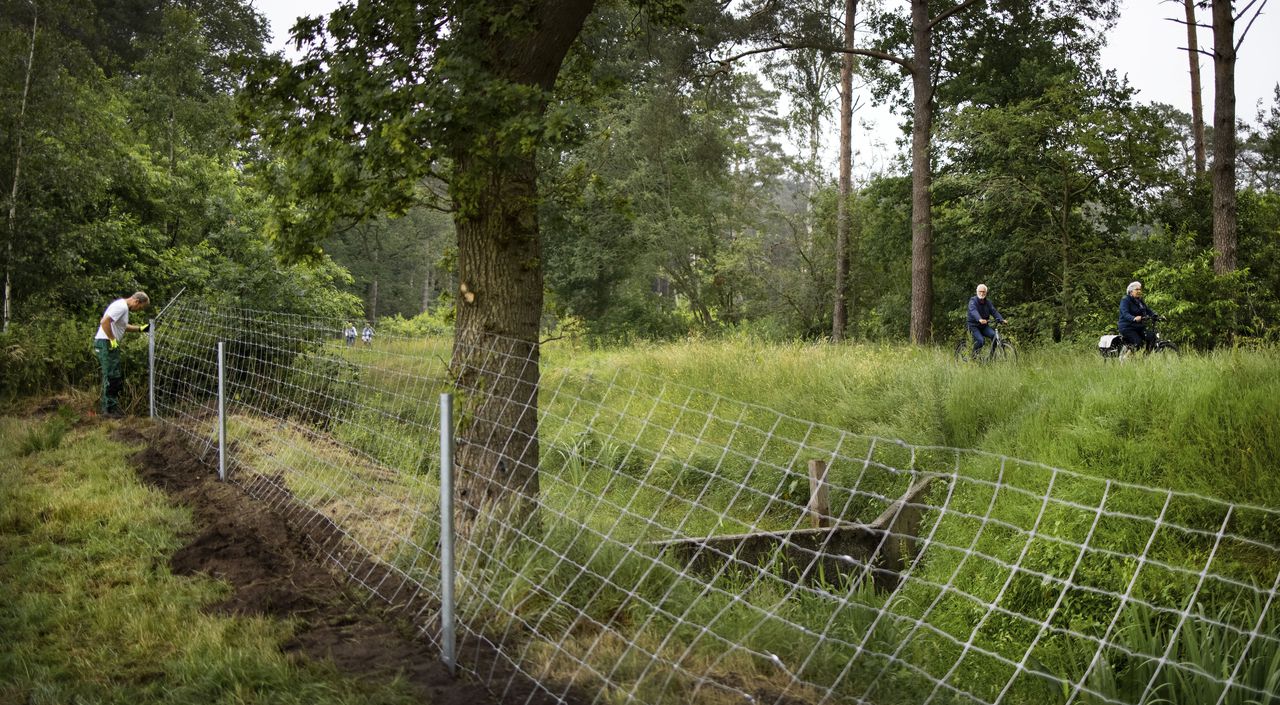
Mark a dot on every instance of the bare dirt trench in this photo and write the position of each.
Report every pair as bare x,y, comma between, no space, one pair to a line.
273,573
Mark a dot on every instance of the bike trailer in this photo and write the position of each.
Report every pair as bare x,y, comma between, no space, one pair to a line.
1109,345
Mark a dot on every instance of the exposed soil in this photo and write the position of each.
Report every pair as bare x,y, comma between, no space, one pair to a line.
271,564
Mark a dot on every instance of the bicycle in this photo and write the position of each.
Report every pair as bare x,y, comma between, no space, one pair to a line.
1112,346
995,349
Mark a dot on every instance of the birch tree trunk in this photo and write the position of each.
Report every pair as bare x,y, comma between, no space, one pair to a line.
17,173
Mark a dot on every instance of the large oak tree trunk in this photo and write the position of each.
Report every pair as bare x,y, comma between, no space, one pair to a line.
1224,138
840,314
495,353
921,176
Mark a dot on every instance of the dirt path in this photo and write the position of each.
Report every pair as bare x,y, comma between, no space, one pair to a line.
271,568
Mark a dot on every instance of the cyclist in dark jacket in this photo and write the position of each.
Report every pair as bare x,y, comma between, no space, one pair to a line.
981,313
1134,314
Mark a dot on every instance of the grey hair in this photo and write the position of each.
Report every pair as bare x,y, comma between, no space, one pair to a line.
141,297
1132,286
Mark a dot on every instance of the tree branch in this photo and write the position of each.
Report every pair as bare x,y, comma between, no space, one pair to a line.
1206,52
1244,10
793,46
962,6
1175,20
1257,13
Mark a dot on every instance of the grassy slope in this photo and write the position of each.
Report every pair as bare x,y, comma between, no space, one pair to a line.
91,612
1199,423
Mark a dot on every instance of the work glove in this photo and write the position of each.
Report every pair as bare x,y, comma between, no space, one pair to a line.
114,343
143,328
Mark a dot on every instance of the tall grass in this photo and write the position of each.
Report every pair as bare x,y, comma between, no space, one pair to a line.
1204,425
1196,423
48,434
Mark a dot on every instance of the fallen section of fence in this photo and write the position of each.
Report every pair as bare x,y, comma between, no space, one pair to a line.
621,538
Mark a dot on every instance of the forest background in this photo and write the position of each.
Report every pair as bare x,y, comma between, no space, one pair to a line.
137,154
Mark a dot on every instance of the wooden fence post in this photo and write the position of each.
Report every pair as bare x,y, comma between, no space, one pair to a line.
819,508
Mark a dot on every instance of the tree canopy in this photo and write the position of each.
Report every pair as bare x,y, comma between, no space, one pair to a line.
661,191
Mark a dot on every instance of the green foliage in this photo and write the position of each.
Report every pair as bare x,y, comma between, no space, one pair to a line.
236,267
52,354
398,99
1036,201
1260,150
121,169
666,201
1205,310
133,174
398,266
434,322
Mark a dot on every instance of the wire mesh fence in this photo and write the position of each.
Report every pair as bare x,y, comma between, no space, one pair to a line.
667,544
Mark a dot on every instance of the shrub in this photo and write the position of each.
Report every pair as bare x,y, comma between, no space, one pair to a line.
46,356
437,321
1205,310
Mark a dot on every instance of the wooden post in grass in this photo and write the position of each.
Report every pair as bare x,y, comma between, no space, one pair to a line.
819,507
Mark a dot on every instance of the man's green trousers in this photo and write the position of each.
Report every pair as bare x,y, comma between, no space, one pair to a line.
112,375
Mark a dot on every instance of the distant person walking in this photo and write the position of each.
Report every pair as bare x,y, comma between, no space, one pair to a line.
981,313
1134,316
367,335
350,334
106,345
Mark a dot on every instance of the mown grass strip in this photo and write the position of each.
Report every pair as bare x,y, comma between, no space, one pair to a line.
91,612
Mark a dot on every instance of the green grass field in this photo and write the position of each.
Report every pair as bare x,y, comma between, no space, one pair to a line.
92,614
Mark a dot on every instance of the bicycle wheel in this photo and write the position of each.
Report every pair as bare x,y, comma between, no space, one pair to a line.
1004,351
964,351
1165,346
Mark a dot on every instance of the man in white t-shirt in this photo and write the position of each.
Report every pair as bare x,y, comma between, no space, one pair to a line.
106,345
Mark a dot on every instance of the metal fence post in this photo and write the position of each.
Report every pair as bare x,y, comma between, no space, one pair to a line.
151,371
222,413
447,637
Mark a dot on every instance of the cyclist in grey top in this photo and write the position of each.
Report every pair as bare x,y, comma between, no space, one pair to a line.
981,313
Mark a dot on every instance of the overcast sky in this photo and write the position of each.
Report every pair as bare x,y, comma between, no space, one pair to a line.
1144,46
